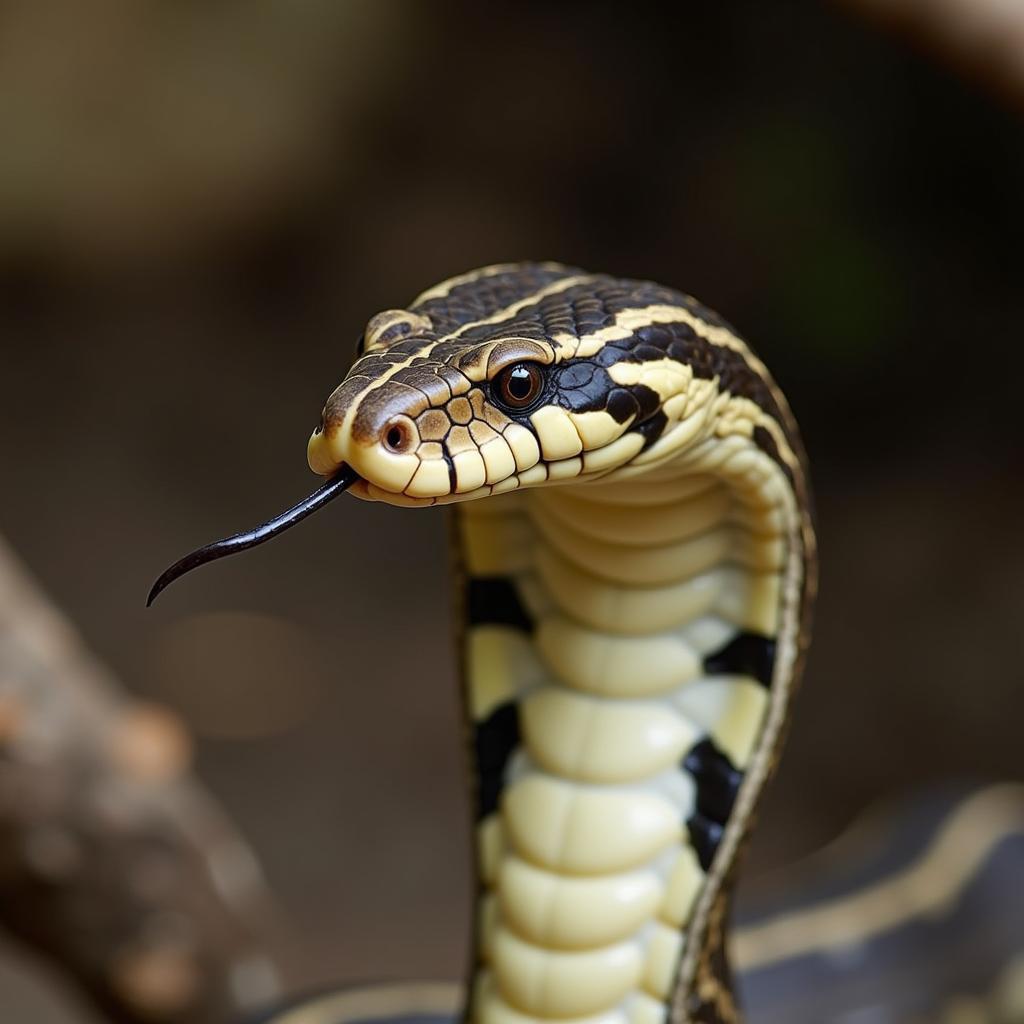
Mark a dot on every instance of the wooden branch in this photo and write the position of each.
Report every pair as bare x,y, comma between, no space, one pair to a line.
114,863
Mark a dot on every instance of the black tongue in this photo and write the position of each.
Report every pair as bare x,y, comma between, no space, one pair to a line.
341,481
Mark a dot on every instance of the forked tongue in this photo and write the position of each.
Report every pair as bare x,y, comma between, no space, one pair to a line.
341,481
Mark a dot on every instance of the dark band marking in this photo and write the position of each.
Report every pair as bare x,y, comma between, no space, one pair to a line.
717,783
717,780
494,601
705,836
484,296
651,429
746,654
453,476
497,736
764,440
585,385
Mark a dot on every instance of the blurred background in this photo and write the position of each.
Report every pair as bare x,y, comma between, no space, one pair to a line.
202,204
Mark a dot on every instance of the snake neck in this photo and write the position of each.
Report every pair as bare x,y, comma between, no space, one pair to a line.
628,652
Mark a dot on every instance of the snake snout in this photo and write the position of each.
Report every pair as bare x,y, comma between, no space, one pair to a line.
326,450
379,443
323,452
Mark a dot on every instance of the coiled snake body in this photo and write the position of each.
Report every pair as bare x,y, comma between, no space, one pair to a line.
638,568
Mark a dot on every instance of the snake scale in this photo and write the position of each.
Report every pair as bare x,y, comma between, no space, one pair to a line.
636,575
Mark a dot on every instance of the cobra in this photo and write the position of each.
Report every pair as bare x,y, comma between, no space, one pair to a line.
637,575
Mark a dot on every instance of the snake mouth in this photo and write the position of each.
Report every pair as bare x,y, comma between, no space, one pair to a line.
342,480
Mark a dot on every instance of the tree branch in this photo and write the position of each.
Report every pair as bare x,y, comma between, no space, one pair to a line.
114,862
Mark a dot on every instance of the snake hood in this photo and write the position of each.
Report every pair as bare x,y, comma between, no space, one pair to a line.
528,374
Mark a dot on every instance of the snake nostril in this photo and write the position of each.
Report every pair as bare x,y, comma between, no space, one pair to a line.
398,435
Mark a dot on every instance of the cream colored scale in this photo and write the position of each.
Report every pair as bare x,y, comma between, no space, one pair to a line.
590,880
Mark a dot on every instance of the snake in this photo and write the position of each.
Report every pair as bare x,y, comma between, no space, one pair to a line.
635,570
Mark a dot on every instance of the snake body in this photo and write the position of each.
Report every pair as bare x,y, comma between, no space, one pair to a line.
632,635
637,572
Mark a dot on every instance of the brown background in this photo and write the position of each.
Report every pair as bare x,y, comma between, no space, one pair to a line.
201,205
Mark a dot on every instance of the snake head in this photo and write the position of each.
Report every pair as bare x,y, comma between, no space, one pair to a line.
513,376
435,410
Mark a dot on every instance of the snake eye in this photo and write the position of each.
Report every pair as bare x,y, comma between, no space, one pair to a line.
519,385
